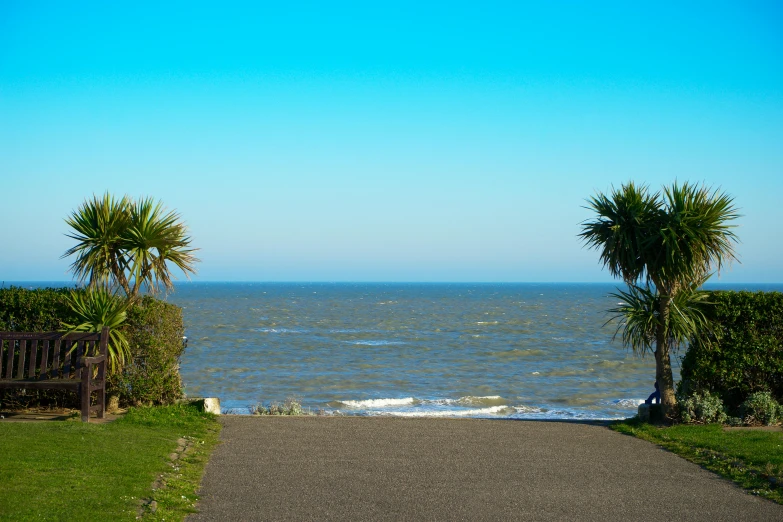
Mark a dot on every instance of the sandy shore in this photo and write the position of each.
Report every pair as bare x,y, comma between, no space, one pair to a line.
360,468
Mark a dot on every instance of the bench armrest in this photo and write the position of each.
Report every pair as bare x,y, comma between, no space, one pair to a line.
86,361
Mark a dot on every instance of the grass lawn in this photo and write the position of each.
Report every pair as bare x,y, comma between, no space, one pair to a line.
74,471
751,458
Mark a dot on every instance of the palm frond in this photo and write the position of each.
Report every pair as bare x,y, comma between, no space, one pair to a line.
696,234
97,228
154,239
621,229
99,308
636,317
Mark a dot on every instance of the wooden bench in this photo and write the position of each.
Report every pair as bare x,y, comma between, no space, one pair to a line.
57,361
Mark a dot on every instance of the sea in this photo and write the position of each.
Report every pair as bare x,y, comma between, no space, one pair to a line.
490,350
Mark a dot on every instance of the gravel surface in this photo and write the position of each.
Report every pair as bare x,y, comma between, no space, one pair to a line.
384,468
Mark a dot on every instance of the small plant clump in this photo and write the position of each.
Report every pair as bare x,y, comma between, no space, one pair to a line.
760,408
702,408
289,407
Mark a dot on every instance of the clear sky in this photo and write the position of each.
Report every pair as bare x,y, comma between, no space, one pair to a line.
399,141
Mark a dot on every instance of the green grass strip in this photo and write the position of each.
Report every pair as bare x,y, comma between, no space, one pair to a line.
75,471
753,459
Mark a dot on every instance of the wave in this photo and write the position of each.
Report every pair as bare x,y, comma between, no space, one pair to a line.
487,406
352,330
277,330
528,409
467,401
379,403
487,400
566,372
625,403
490,411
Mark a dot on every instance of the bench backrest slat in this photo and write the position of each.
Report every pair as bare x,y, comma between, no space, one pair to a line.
79,355
9,365
67,353
44,358
22,352
31,364
56,359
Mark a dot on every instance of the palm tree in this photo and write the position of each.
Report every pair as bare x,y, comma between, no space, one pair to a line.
122,244
664,246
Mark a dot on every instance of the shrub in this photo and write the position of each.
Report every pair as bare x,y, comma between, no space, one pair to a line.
702,408
154,330
745,354
289,407
760,408
40,310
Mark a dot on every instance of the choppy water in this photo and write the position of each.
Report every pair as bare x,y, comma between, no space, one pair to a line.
527,350
487,350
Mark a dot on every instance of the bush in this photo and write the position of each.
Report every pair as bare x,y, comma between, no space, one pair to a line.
289,407
40,310
760,408
702,408
154,331
745,354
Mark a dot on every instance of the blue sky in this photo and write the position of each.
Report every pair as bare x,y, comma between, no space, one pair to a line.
385,142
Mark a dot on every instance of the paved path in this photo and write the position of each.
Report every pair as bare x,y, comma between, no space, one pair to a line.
370,468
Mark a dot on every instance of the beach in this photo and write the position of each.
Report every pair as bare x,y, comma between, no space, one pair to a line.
385,468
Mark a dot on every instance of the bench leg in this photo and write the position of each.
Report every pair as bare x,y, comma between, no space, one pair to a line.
84,394
101,402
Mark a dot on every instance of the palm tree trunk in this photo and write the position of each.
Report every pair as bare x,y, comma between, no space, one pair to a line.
663,364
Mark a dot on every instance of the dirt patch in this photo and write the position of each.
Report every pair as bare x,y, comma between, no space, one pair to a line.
44,415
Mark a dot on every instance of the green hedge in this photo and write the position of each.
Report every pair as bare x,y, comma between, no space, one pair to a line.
746,354
154,330
40,310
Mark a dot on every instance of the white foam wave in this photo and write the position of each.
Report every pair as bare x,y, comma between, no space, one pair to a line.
488,406
487,400
493,411
379,403
627,403
528,409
